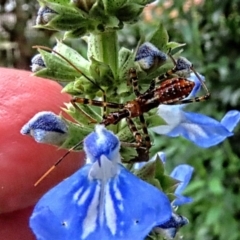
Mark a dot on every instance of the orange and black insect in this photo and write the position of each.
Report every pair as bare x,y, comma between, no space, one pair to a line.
170,89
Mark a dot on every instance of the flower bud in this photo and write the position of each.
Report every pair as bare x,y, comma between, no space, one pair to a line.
44,15
148,56
37,63
46,127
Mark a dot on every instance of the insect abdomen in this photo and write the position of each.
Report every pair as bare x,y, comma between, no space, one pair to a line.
173,90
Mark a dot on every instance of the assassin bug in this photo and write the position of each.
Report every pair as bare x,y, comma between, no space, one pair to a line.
170,89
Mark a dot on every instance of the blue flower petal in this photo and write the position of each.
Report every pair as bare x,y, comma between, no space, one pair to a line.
74,207
199,129
197,82
181,200
182,173
99,200
231,119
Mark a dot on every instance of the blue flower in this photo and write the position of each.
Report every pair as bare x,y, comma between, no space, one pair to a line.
182,173
99,200
46,127
197,128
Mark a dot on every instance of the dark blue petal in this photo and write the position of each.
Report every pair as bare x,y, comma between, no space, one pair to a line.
169,229
84,208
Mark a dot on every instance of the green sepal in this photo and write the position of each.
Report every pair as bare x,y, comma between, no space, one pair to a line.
168,184
160,169
111,7
124,90
84,5
154,121
129,12
125,62
74,57
72,90
76,33
143,2
124,133
147,172
60,2
160,38
80,116
67,18
76,134
56,68
67,22
173,45
155,183
101,72
146,79
127,153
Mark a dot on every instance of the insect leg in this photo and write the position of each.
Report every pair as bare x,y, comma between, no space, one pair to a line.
134,81
147,141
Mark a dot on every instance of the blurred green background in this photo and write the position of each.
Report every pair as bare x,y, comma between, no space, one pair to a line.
211,30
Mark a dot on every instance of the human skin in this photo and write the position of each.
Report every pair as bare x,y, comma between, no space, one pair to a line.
22,160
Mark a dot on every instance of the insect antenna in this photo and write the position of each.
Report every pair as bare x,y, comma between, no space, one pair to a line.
56,163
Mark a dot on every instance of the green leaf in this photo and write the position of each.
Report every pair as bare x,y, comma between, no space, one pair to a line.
76,134
71,89
81,115
168,183
101,72
111,7
154,121
74,57
173,45
56,68
160,38
147,172
60,2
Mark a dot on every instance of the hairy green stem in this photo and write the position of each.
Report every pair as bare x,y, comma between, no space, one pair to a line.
104,48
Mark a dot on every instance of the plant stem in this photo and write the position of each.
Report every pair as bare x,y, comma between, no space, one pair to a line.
104,48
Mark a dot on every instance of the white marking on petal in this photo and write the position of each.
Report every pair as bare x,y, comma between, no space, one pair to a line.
90,221
84,197
111,216
194,129
76,194
118,196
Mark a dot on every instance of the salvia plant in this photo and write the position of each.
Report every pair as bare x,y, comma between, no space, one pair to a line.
123,99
